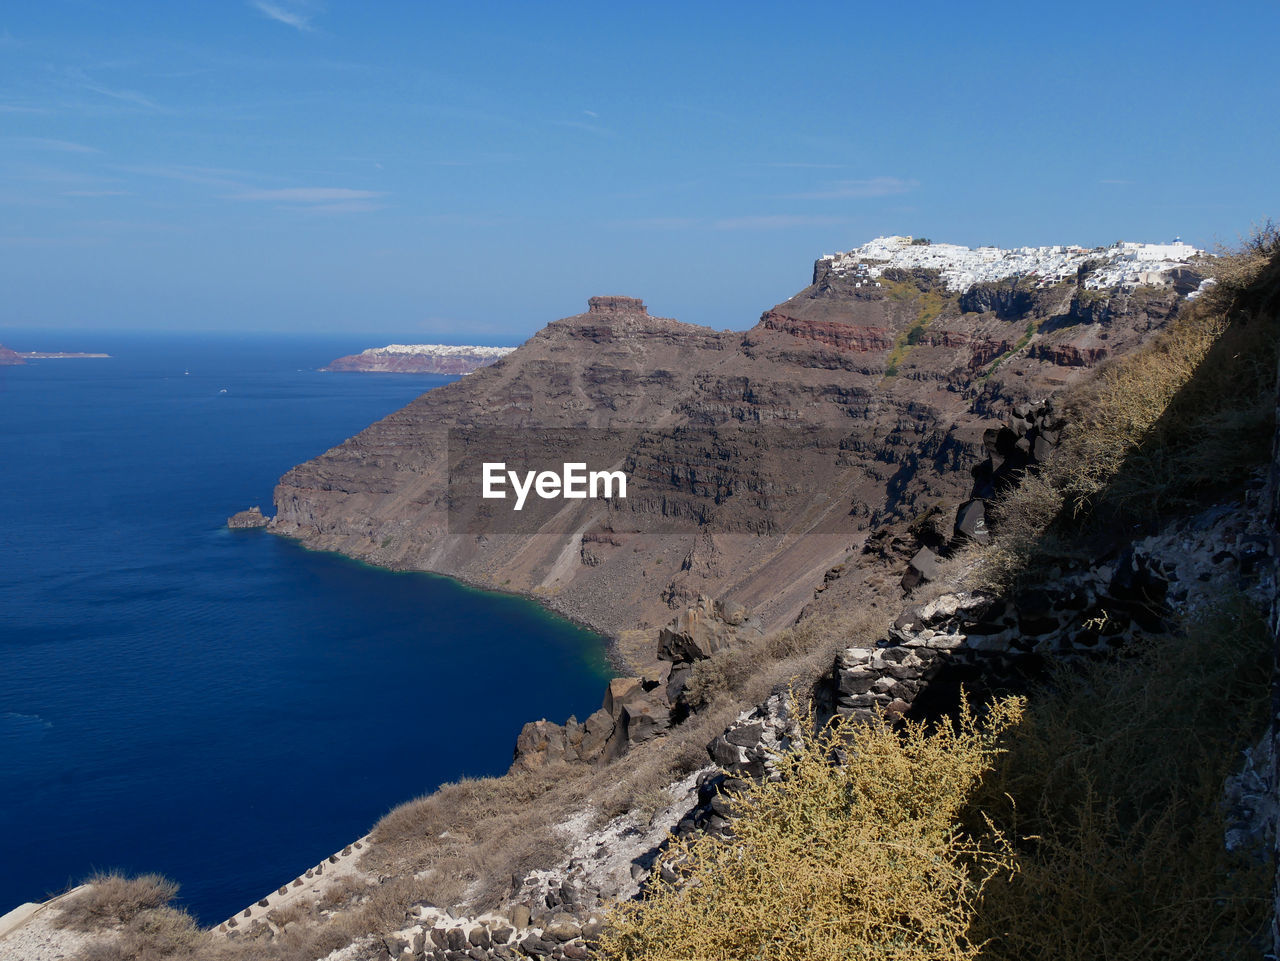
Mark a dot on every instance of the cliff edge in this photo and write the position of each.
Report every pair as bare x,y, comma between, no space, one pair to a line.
891,360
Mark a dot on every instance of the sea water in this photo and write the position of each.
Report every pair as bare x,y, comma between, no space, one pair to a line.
225,707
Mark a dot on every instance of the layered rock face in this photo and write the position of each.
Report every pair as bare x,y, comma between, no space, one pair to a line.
766,455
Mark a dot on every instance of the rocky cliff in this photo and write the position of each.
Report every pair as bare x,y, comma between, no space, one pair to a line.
10,358
420,359
527,865
766,455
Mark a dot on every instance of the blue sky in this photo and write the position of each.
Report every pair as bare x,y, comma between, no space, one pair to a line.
467,173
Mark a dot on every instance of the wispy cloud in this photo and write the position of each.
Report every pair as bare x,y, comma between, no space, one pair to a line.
855,189
19,241
209,176
659,223
85,82
24,199
136,226
95,193
127,96
775,222
347,207
295,15
804,165
594,128
45,143
62,179
308,195
239,185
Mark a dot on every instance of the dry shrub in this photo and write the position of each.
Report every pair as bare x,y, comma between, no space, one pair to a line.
1112,789
114,899
133,920
1236,270
161,933
337,894
290,913
353,913
1160,430
470,837
797,655
861,860
710,678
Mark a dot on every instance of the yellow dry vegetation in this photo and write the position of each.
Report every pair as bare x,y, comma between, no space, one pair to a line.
857,860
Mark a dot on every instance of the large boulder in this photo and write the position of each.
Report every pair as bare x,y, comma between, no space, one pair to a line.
704,629
244,520
971,523
925,566
643,720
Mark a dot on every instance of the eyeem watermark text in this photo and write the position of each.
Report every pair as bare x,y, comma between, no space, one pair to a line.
574,482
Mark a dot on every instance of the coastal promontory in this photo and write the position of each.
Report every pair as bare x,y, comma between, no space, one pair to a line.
420,359
12,358
766,454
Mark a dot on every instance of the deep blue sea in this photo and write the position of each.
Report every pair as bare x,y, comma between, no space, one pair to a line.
225,707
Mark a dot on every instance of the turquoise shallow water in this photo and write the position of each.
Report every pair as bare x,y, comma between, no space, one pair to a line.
223,706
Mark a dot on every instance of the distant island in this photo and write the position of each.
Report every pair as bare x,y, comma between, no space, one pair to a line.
11,358
420,359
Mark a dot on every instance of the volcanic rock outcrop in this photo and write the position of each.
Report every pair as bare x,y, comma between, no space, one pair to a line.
638,709
759,459
246,520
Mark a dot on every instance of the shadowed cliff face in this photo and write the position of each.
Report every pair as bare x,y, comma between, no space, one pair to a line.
893,386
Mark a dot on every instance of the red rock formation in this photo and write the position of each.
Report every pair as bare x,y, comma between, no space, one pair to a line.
985,351
945,338
829,333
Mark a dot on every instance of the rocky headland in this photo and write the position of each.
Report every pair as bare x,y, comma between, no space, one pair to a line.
64,355
420,359
892,362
